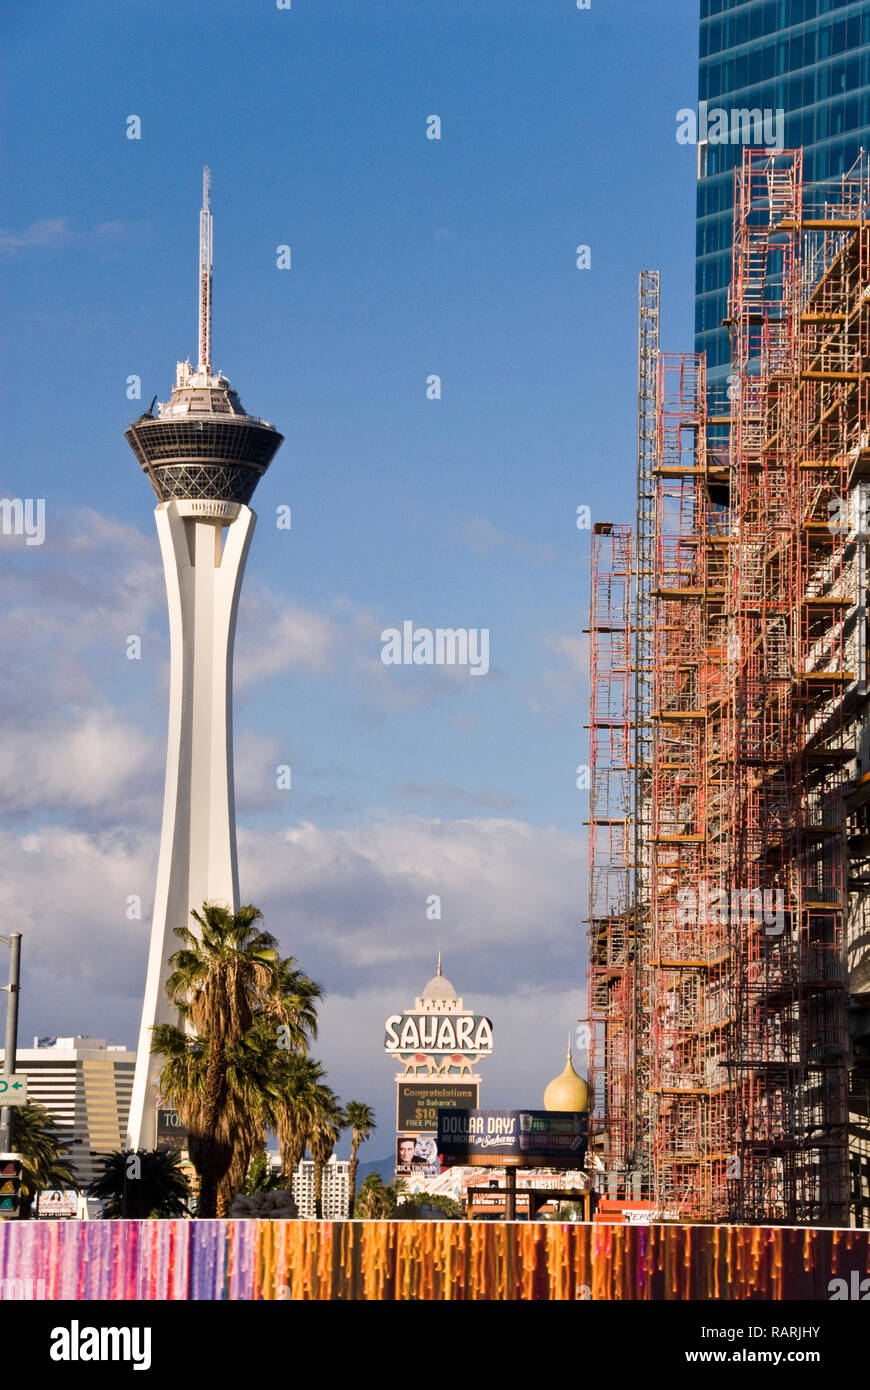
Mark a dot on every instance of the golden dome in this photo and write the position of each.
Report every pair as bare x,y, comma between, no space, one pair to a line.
568,1091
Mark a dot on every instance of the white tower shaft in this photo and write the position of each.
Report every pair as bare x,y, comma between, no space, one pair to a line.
206,255
203,455
197,861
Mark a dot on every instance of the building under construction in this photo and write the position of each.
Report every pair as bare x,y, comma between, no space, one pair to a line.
729,917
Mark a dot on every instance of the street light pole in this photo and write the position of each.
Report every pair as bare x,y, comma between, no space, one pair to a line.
13,989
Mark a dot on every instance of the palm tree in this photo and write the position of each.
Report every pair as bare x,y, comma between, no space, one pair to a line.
299,999
250,1017
136,1185
44,1153
240,1127
267,1088
221,978
297,1082
254,1068
327,1122
361,1121
377,1202
262,1178
372,1201
422,1204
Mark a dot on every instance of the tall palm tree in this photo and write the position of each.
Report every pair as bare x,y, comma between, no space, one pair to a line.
361,1121
249,1017
299,997
44,1153
245,1114
221,977
327,1122
254,1067
266,1088
297,1082
135,1185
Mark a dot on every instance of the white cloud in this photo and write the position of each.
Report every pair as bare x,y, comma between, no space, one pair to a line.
351,906
54,233
353,901
82,748
421,792
95,762
46,233
276,635
482,537
573,649
83,962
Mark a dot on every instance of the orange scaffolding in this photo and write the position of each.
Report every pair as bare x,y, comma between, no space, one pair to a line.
795,345
611,1049
687,950
742,908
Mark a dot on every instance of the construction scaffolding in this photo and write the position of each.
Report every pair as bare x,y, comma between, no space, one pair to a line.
611,972
649,295
687,951
622,647
799,328
745,946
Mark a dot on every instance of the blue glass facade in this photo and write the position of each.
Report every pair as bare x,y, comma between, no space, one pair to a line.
808,58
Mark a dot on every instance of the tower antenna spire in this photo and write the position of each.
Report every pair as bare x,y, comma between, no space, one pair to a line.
205,268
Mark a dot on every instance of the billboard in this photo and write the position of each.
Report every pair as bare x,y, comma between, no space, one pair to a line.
419,1102
417,1156
171,1133
54,1204
513,1138
442,1035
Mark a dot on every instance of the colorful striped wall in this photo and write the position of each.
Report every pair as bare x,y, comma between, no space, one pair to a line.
388,1260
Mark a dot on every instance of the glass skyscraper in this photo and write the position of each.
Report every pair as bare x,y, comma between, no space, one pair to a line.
807,58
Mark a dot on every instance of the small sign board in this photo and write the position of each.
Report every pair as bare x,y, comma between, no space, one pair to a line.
171,1133
513,1138
417,1156
13,1088
54,1204
420,1102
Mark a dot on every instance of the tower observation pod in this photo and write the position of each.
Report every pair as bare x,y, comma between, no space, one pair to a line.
204,456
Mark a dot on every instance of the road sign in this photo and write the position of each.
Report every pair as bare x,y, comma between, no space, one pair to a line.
13,1089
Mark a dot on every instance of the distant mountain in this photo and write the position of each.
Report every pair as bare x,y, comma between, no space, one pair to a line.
384,1167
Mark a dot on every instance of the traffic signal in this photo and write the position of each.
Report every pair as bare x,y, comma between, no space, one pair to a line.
11,1173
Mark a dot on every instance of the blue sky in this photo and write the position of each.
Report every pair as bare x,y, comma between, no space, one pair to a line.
409,257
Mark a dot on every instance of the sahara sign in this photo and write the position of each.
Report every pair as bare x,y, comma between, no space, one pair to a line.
445,1034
